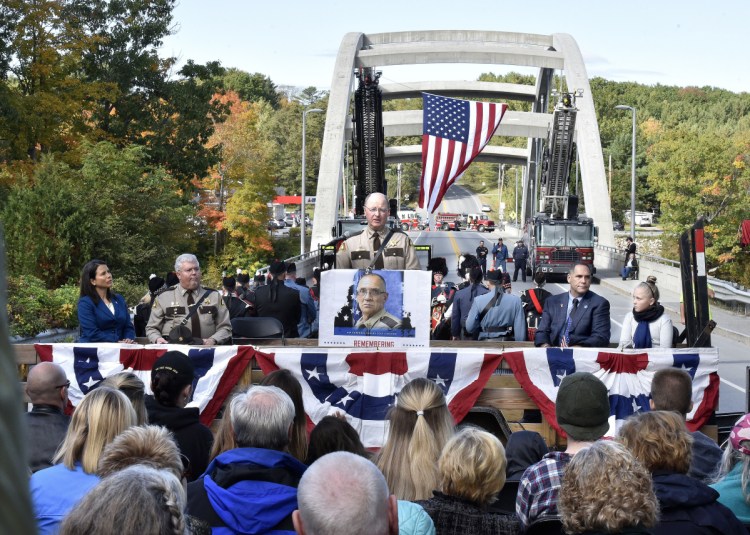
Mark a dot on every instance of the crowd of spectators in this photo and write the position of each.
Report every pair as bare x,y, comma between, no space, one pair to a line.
266,476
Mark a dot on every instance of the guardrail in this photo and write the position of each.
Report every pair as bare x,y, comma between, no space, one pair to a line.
728,294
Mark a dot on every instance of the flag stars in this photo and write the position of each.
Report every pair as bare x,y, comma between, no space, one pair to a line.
343,401
90,383
314,373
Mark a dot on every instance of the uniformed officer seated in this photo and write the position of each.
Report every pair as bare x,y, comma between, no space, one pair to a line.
371,298
209,325
358,251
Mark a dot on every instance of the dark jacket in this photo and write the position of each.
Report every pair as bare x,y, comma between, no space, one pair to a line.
98,324
590,324
520,253
193,438
280,302
462,304
46,426
706,458
689,507
247,490
455,516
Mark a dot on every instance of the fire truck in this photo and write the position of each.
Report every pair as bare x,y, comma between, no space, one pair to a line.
559,236
448,221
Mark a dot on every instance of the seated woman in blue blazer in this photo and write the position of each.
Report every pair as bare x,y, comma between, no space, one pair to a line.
102,314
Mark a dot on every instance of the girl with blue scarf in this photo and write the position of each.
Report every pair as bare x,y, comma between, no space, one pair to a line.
647,325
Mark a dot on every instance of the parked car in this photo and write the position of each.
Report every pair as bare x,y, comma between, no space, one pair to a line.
291,221
272,224
486,208
616,225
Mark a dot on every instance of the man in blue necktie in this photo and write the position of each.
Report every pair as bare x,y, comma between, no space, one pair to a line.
578,317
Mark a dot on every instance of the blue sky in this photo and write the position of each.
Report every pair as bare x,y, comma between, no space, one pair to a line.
295,43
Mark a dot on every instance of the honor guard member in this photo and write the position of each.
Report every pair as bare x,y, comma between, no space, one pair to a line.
497,315
358,251
209,325
371,299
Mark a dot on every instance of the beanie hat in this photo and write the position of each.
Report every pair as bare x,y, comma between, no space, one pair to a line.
177,363
740,433
582,406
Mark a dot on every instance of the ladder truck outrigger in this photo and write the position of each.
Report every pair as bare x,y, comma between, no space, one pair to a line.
559,236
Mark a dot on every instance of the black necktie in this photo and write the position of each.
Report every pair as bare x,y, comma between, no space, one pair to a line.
195,322
375,247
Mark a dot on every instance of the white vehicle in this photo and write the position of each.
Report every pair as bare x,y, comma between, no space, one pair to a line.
642,219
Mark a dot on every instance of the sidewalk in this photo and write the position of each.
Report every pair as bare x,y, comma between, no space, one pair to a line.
728,324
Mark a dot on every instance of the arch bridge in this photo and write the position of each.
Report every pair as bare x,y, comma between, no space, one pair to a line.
556,53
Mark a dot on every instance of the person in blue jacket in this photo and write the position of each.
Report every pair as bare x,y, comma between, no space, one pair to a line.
103,315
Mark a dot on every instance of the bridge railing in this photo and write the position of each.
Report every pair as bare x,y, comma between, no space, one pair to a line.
730,295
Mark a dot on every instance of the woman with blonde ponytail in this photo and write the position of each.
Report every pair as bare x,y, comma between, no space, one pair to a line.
420,425
647,325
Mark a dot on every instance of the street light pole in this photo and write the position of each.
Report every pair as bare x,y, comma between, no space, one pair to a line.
515,170
302,225
632,173
500,184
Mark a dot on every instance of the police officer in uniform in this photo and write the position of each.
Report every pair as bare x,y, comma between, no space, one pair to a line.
358,251
209,324
496,314
371,299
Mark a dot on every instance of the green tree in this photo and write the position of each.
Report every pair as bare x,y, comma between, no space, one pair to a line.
251,87
114,207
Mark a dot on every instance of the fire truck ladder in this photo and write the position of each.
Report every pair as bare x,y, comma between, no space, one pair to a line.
370,168
560,155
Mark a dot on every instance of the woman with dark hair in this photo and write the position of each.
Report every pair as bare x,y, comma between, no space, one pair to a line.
102,314
333,433
284,380
172,384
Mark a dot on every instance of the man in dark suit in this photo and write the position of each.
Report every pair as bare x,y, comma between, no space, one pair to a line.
279,301
578,317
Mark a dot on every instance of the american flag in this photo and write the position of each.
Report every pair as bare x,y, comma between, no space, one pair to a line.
217,369
454,132
627,377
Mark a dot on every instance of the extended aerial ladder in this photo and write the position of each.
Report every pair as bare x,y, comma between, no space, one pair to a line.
368,138
557,160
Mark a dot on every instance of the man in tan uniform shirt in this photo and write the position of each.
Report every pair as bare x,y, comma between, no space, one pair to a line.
358,251
171,307
371,298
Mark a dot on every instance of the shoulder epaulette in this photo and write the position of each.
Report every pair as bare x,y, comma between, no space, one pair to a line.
389,321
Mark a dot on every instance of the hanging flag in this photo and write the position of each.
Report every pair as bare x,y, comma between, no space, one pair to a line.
217,369
364,385
627,377
454,132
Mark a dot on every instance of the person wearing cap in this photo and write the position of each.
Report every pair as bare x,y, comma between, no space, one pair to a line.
172,377
209,324
735,469
308,313
578,317
500,255
276,300
358,251
371,297
497,315
672,390
582,411
464,298
243,283
520,256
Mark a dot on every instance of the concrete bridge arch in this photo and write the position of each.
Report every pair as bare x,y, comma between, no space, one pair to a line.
549,53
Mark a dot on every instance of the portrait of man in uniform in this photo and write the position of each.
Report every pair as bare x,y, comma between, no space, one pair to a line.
371,296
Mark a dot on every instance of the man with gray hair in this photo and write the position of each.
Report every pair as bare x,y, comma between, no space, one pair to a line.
253,487
208,323
345,494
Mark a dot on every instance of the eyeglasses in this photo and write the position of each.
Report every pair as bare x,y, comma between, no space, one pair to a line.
377,210
66,385
370,292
